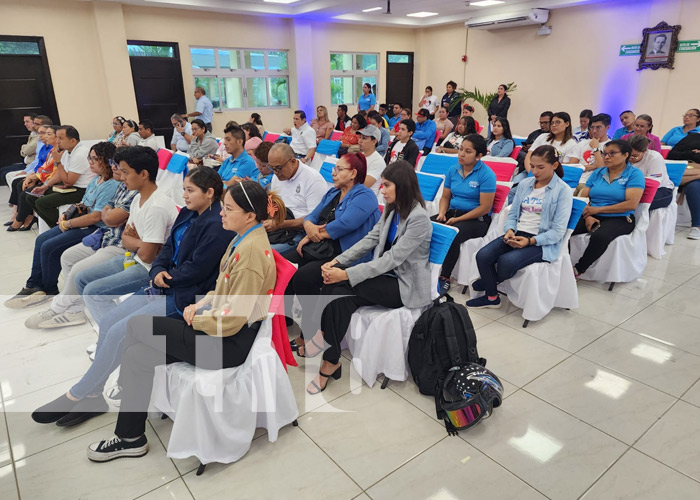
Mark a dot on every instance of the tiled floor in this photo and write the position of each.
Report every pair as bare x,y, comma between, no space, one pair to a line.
602,402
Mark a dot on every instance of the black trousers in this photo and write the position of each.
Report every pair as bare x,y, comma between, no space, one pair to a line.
15,189
610,228
10,168
662,198
468,229
335,320
152,341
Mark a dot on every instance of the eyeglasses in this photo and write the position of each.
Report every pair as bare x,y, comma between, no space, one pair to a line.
544,123
93,159
230,210
277,168
339,169
610,153
690,115
557,122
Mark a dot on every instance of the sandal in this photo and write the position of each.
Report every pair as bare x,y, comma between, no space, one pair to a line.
335,375
303,351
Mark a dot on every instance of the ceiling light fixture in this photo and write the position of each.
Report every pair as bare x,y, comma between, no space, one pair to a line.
280,1
372,9
485,3
422,14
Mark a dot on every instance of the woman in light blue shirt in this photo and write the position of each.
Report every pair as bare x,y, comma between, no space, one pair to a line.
691,124
501,142
367,100
534,230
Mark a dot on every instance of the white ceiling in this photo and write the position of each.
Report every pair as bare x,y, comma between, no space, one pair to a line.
449,11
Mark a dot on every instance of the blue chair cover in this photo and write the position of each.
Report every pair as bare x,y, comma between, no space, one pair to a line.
429,185
576,211
178,164
675,172
327,171
439,165
572,175
518,141
329,148
440,242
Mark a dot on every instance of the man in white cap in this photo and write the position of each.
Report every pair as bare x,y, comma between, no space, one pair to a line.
369,137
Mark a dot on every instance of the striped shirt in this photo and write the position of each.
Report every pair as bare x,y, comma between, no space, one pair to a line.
122,199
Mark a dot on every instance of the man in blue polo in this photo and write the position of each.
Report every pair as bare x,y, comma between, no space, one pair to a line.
424,136
239,166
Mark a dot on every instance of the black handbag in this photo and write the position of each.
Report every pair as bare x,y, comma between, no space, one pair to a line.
75,210
319,250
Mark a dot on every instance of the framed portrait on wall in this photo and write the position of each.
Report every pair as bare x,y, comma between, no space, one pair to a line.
659,45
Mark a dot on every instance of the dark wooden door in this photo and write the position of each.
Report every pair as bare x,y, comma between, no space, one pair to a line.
25,87
157,76
399,78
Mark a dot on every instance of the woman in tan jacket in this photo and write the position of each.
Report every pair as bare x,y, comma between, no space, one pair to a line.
222,326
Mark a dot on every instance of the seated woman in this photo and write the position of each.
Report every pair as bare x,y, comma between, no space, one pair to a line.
118,133
349,139
398,274
442,124
257,121
534,230
560,136
614,192
374,118
261,162
131,135
404,115
690,187
186,267
467,198
252,138
652,165
453,141
321,124
501,142
203,143
691,124
23,215
48,247
345,215
643,125
468,110
225,322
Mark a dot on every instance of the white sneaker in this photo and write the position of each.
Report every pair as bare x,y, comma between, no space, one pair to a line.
694,233
65,319
91,348
35,320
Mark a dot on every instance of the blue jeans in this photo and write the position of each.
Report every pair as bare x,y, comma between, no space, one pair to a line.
111,338
48,248
498,262
692,196
290,245
100,285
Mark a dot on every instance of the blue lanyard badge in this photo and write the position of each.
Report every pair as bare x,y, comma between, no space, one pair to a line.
239,238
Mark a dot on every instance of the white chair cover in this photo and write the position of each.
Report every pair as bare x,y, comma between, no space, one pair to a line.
170,180
215,412
662,228
43,226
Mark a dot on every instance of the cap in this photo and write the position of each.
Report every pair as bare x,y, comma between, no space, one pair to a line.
370,131
423,112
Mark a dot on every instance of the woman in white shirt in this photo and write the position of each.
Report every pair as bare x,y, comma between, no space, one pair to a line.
560,136
652,164
453,141
442,124
429,101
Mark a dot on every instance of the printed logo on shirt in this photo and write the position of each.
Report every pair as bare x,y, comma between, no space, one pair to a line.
623,181
588,157
473,184
298,188
532,204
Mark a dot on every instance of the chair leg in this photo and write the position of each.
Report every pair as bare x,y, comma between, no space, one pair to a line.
525,323
612,285
464,290
200,469
385,382
163,416
295,423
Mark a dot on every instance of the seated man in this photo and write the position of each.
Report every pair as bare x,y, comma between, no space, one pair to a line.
303,137
403,147
396,116
369,137
343,118
71,175
148,138
590,151
28,151
239,166
38,157
182,134
301,189
627,118
383,110
424,136
203,143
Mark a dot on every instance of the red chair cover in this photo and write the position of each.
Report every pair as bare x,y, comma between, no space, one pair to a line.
280,340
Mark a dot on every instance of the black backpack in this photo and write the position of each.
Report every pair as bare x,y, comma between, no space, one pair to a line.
442,337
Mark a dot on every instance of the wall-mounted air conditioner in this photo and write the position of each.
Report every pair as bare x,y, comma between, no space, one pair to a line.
509,20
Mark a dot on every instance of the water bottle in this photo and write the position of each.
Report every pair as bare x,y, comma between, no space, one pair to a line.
128,260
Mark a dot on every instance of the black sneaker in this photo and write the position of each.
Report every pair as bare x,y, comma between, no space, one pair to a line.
53,411
114,448
478,285
443,286
85,409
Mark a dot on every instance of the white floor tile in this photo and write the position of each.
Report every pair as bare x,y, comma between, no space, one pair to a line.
292,468
372,433
5,457
638,477
646,288
175,490
661,324
693,395
673,272
64,472
683,299
567,330
553,452
654,363
675,440
602,398
8,485
449,470
515,356
605,306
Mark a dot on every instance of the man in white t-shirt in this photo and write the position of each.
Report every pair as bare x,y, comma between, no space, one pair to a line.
369,137
148,138
301,189
303,137
151,217
69,180
589,151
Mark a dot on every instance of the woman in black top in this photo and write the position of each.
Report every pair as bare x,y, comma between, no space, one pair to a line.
499,104
450,96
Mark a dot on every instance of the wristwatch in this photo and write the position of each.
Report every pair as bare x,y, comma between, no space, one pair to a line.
595,150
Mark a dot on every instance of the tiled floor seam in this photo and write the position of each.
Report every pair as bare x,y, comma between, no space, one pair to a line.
9,444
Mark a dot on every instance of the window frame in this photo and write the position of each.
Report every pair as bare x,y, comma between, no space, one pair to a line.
244,74
354,73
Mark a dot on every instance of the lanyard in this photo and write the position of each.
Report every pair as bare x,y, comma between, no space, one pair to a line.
240,238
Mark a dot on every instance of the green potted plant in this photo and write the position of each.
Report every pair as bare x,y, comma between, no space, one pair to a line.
480,97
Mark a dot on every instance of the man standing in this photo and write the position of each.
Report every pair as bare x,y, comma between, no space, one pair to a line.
424,135
301,189
28,151
148,138
396,117
369,137
204,109
303,137
403,147
239,166
182,134
627,119
72,172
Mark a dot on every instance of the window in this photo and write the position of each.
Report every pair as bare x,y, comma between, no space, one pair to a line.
242,78
349,72
151,51
399,58
19,48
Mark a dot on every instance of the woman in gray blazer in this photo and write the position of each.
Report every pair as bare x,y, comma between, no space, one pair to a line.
398,274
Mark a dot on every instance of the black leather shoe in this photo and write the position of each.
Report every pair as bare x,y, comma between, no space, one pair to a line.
53,411
85,409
